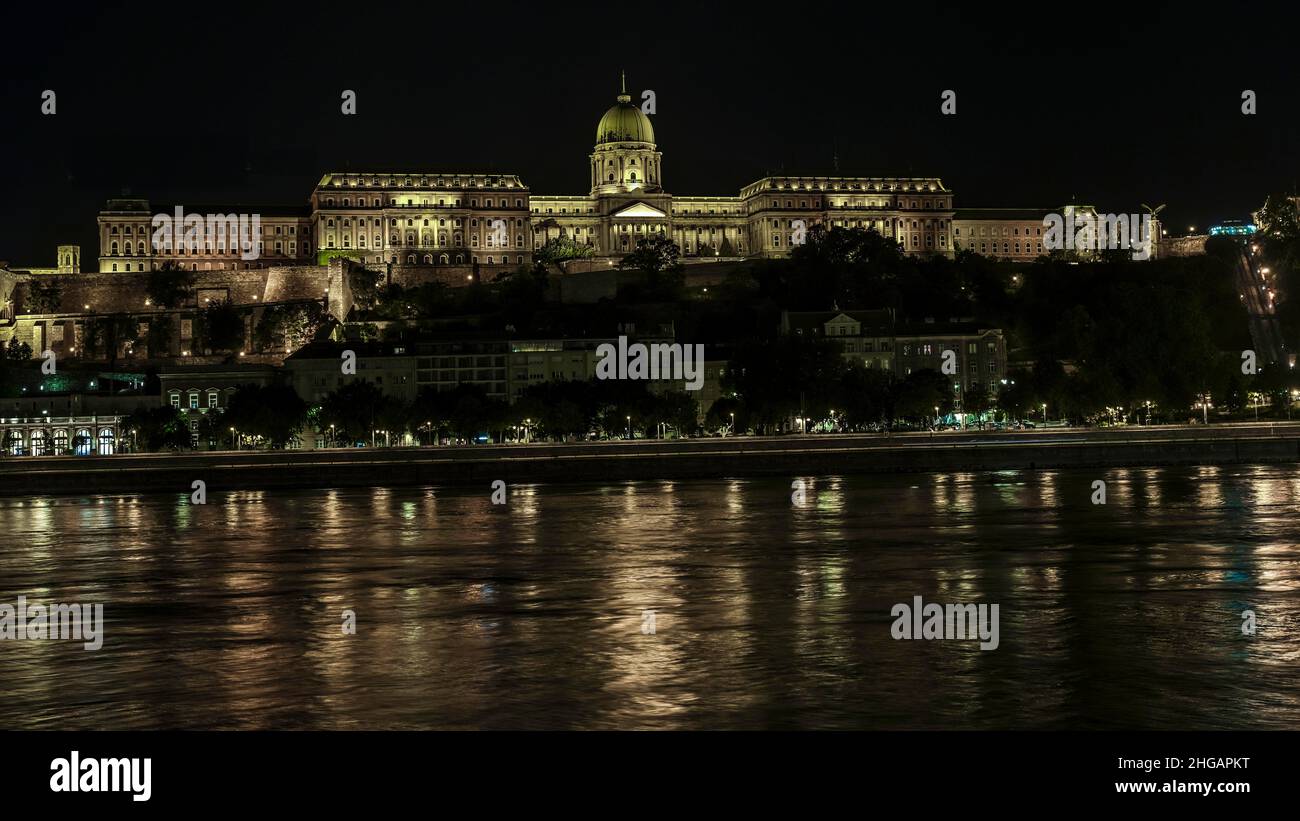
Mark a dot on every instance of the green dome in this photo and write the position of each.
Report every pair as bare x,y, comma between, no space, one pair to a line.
624,122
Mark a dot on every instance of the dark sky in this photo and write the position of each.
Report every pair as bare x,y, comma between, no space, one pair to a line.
211,103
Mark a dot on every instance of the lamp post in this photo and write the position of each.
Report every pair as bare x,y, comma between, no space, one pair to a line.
234,437
733,424
629,428
1044,413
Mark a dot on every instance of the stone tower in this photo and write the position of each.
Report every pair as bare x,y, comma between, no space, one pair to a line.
69,259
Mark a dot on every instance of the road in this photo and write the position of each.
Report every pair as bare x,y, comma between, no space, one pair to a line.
739,455
1257,295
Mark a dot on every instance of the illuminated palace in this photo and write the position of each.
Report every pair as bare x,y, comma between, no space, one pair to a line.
431,219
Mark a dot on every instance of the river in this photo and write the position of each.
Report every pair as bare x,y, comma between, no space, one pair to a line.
661,604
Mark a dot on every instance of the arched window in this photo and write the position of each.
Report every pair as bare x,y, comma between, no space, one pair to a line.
14,442
106,442
443,259
38,443
82,442
60,441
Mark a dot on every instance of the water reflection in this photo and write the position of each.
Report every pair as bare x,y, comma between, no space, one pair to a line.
766,614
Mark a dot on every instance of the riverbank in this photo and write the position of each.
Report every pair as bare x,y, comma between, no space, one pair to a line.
674,459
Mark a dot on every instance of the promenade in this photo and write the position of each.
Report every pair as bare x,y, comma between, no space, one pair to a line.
793,455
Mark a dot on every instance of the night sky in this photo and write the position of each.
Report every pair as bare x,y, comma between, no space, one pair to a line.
1113,104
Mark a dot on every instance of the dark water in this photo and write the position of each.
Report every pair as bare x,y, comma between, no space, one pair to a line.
766,615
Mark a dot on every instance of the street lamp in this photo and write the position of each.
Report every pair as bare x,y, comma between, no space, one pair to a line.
1044,413
733,424
629,427
234,437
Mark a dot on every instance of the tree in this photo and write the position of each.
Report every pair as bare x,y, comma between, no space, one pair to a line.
106,335
677,409
975,399
790,376
352,410
851,266
18,351
1017,397
559,410
169,285
863,396
158,428
212,427
364,284
465,412
273,412
921,393
658,259
159,336
559,249
44,297
289,327
220,327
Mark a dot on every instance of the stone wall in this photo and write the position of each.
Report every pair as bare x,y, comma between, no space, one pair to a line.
1181,246
291,283
125,292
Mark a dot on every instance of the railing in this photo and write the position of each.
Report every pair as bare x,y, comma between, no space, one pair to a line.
111,419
